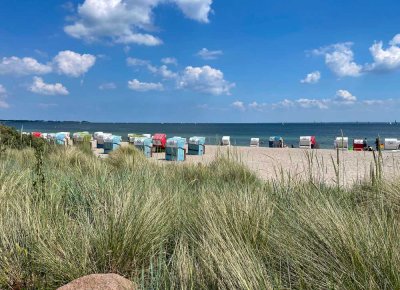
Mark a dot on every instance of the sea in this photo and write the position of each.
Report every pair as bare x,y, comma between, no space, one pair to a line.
240,133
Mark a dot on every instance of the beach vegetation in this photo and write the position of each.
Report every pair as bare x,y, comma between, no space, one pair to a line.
65,214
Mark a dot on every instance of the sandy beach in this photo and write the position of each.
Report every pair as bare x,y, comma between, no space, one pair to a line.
294,163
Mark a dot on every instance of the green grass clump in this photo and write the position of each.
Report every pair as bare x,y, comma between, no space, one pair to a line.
189,226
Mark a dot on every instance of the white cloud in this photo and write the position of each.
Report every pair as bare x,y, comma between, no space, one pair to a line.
285,103
40,87
205,79
239,105
23,66
340,59
312,103
144,87
108,86
128,21
385,59
375,102
131,61
169,60
162,71
257,106
345,97
395,40
65,62
195,9
73,64
206,54
312,78
3,96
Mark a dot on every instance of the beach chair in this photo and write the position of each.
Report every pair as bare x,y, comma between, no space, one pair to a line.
96,136
111,143
82,139
226,141
62,138
275,142
196,145
255,142
359,145
175,149
307,142
145,145
132,137
51,138
392,144
100,139
36,134
159,142
341,143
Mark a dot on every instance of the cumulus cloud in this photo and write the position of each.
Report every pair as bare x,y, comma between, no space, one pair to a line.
312,78
340,59
195,9
3,96
40,87
205,79
65,62
385,59
253,106
73,64
108,86
169,60
23,66
206,54
345,97
395,40
128,21
256,106
312,103
144,87
239,105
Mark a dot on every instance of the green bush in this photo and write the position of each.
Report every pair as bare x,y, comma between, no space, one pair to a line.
11,138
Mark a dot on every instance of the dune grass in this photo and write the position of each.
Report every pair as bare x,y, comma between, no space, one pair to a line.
211,226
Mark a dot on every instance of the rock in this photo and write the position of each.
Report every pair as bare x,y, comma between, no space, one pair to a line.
100,282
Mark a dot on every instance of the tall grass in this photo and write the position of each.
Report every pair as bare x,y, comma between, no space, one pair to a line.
190,226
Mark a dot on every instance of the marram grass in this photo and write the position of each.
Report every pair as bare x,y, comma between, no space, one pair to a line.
213,226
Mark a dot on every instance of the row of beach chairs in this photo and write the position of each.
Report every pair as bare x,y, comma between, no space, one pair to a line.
175,147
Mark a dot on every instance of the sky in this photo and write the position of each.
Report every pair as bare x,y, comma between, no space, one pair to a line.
207,61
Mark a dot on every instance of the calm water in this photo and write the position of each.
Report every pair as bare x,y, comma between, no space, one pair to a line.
240,133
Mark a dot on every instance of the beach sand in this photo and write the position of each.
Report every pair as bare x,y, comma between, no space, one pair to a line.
284,163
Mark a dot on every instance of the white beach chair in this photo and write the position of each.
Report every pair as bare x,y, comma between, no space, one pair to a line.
392,144
255,142
342,143
226,141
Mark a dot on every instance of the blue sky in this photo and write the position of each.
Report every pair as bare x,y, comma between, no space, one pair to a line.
200,60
